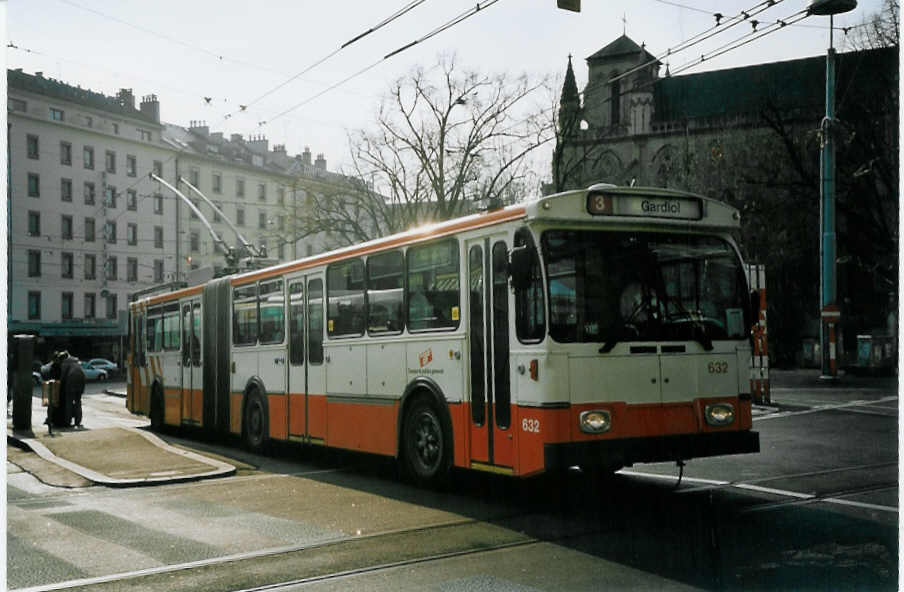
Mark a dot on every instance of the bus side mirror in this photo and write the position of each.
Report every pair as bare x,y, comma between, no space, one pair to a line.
520,260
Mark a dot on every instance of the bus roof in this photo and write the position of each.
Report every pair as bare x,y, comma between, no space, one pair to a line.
625,205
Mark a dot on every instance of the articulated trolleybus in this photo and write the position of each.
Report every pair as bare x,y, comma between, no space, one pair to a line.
598,328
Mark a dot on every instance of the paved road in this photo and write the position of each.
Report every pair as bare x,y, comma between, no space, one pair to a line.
816,509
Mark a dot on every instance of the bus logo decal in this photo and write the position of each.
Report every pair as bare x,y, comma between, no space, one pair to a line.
425,357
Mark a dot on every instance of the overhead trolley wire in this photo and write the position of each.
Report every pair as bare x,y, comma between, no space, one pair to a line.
449,24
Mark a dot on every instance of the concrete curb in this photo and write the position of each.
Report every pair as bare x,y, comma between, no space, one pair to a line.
220,469
114,393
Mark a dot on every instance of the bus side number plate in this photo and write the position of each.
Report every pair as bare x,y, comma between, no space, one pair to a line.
530,425
718,367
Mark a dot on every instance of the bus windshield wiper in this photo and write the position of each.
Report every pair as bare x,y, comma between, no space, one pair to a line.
617,331
698,328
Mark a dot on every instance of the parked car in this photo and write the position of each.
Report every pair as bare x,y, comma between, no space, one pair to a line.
94,371
101,363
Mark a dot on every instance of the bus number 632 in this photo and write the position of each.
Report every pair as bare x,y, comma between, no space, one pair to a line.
530,425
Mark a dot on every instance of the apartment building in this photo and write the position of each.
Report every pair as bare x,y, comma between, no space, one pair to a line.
89,227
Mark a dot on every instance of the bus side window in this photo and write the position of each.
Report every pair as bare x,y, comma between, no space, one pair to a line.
272,312
244,315
196,334
385,293
315,322
345,297
171,331
296,323
433,291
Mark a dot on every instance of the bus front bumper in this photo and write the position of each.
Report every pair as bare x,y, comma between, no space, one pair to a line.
627,451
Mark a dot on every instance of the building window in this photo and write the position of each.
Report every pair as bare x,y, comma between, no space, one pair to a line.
110,161
615,104
89,121
158,237
116,128
66,153
216,213
158,203
66,266
57,115
31,143
132,269
262,192
34,263
110,268
281,223
197,204
34,305
88,157
110,196
262,220
240,187
281,196
195,240
217,180
131,165
110,232
132,234
89,305
308,250
34,185
281,251
89,230
111,306
34,223
194,177
158,168
158,270
66,189
144,135
66,227
90,267
66,306
131,199
89,193
18,105
239,217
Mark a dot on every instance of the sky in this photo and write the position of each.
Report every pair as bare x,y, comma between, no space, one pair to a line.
234,52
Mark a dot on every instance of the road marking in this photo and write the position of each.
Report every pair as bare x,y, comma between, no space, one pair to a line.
825,408
808,497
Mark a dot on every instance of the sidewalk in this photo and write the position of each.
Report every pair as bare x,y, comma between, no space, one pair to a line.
112,452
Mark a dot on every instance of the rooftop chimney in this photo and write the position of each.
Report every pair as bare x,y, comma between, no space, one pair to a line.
259,144
320,163
126,98
279,149
150,106
236,138
200,128
306,156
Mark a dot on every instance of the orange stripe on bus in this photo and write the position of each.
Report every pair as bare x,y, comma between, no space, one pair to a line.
363,426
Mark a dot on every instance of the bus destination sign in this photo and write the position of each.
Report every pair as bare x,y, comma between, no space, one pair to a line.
644,206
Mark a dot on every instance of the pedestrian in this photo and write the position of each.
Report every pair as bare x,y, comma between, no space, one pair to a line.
72,379
56,410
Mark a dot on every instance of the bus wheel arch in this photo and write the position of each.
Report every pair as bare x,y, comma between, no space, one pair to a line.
425,447
255,417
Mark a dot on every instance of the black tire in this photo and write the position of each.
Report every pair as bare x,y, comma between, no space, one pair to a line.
101,377
255,424
426,444
156,413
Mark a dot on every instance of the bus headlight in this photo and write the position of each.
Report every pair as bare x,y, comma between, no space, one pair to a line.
719,414
596,421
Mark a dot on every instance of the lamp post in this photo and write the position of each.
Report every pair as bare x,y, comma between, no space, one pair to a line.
830,312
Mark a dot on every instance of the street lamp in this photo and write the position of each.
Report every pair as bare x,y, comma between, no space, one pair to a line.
830,312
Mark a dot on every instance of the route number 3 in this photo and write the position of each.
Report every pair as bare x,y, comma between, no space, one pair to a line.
530,425
718,367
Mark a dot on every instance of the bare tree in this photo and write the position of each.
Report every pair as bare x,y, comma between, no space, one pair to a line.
881,29
446,141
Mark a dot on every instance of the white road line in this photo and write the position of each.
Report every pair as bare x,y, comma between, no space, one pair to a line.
825,408
769,490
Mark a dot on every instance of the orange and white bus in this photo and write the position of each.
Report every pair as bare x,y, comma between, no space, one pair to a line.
599,328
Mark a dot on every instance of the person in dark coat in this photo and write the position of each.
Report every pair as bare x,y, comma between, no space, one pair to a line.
72,379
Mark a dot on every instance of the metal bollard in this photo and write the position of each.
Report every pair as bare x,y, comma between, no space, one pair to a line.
24,352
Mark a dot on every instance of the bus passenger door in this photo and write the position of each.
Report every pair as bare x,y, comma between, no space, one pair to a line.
297,416
272,356
197,368
315,399
503,443
191,362
480,443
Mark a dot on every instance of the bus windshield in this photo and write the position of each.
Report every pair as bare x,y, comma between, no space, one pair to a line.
612,286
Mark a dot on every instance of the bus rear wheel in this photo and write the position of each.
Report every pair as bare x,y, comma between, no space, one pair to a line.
255,423
426,452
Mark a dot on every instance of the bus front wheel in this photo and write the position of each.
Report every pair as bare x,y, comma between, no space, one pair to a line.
427,445
255,423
